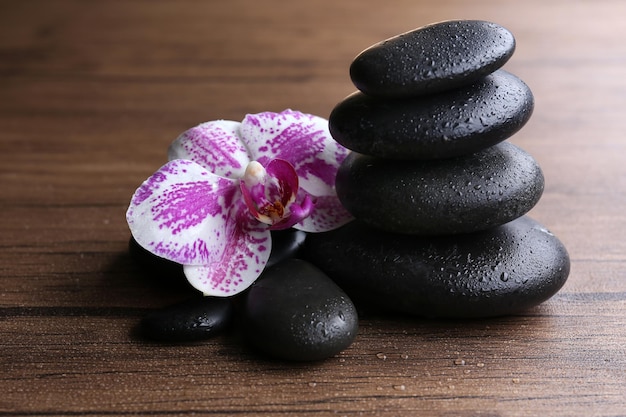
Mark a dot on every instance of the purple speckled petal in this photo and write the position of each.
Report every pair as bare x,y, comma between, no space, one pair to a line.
181,213
300,139
328,214
215,145
242,260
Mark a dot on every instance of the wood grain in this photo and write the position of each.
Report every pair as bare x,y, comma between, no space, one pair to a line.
91,94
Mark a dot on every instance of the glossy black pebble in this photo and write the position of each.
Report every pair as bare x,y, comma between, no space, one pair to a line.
295,312
433,58
448,196
151,262
195,319
444,125
497,272
285,244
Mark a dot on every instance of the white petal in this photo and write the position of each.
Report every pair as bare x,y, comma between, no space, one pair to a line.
215,145
182,213
300,139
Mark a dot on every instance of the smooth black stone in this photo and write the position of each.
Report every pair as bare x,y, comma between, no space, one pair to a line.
285,244
497,272
433,58
295,312
448,196
157,269
148,260
449,124
195,319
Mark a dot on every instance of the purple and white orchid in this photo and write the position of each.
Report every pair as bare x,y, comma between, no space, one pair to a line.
227,185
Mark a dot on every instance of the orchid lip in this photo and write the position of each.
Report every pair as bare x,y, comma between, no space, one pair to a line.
270,193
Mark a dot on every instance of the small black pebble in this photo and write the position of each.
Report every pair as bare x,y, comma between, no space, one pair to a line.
295,312
285,244
194,319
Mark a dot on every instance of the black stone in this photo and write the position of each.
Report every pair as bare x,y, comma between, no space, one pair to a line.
433,58
444,125
449,196
285,244
151,262
295,312
497,272
195,319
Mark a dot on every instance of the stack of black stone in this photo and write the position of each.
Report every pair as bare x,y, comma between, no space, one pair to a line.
438,195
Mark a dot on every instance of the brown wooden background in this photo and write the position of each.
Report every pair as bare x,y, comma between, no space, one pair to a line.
91,94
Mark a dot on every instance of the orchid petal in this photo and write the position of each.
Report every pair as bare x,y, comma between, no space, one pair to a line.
181,213
329,214
301,139
242,261
215,145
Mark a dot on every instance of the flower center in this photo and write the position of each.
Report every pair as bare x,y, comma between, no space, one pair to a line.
270,192
275,211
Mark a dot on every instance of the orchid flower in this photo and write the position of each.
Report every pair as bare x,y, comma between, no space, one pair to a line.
227,185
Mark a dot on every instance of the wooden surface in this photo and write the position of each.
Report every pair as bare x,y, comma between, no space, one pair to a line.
92,93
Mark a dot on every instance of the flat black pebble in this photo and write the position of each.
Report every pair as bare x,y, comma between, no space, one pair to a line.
194,319
448,196
444,125
433,58
498,272
295,312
